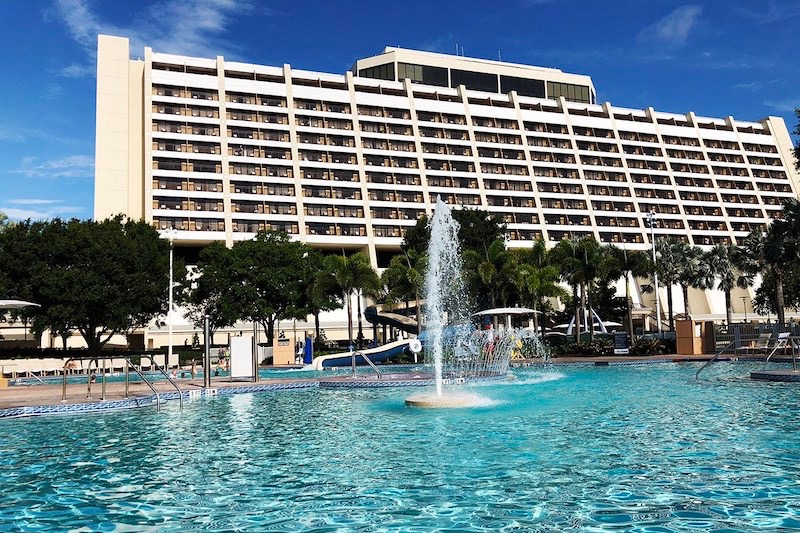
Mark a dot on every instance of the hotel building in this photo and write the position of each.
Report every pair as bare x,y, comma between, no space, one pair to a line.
219,150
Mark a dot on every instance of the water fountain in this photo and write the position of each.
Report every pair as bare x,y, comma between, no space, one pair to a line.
458,351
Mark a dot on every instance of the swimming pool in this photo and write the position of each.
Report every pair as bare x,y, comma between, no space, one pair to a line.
636,448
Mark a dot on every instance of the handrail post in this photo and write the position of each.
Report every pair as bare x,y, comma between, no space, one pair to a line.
89,380
103,386
353,362
127,375
206,355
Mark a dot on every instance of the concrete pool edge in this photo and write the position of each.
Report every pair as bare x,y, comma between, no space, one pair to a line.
45,406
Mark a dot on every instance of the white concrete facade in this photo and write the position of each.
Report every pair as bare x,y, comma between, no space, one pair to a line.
219,150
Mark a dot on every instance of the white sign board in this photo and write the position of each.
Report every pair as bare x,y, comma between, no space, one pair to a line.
241,357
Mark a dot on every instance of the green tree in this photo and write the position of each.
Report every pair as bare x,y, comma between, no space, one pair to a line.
206,290
478,229
404,278
317,299
537,280
99,278
565,255
774,253
724,264
631,264
670,255
350,276
267,279
489,274
692,273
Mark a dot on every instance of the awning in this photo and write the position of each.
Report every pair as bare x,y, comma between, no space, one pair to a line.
507,311
16,304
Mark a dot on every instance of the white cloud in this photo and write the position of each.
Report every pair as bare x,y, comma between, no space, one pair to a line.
674,28
33,201
46,209
74,166
784,106
77,71
24,214
188,27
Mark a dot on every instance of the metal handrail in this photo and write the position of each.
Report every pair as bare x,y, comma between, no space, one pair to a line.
788,341
369,362
166,375
713,359
129,364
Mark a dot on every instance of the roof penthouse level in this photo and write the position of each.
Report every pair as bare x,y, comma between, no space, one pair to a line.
220,150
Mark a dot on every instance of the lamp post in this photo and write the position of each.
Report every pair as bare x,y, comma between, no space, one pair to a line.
651,220
744,306
169,234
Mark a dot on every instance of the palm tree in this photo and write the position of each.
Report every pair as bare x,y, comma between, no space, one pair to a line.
317,298
670,255
596,264
489,273
536,279
724,263
565,255
769,254
350,276
692,272
631,263
404,278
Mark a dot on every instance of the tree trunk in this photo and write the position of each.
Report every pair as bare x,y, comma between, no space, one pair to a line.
779,299
590,313
685,292
577,306
630,303
670,309
316,325
360,321
728,308
269,327
349,319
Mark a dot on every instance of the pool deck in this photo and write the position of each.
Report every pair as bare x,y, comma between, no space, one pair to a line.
40,399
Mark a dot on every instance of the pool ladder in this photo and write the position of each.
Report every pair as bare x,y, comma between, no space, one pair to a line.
128,365
367,359
781,343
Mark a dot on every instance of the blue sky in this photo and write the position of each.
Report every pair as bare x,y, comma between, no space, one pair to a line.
716,58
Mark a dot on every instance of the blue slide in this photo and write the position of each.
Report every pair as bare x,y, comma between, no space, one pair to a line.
376,355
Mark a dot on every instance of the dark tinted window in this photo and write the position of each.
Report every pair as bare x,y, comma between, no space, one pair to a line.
523,86
477,81
422,74
381,72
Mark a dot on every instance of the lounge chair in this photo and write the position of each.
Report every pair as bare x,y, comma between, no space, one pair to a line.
765,344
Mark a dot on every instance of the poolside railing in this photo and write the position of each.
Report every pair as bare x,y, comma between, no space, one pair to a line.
128,365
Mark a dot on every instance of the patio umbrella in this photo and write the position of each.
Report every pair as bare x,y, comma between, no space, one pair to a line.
506,311
16,304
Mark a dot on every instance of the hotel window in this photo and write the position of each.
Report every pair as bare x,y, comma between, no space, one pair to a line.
523,86
380,72
476,81
571,92
422,74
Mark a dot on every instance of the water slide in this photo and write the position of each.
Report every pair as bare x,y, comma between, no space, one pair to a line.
395,320
376,355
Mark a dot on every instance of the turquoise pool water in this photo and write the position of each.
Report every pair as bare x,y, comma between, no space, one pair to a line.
641,448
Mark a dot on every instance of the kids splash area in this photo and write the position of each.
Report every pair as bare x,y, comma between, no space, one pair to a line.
461,442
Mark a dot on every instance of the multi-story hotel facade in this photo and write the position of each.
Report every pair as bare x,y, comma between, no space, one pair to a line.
219,150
